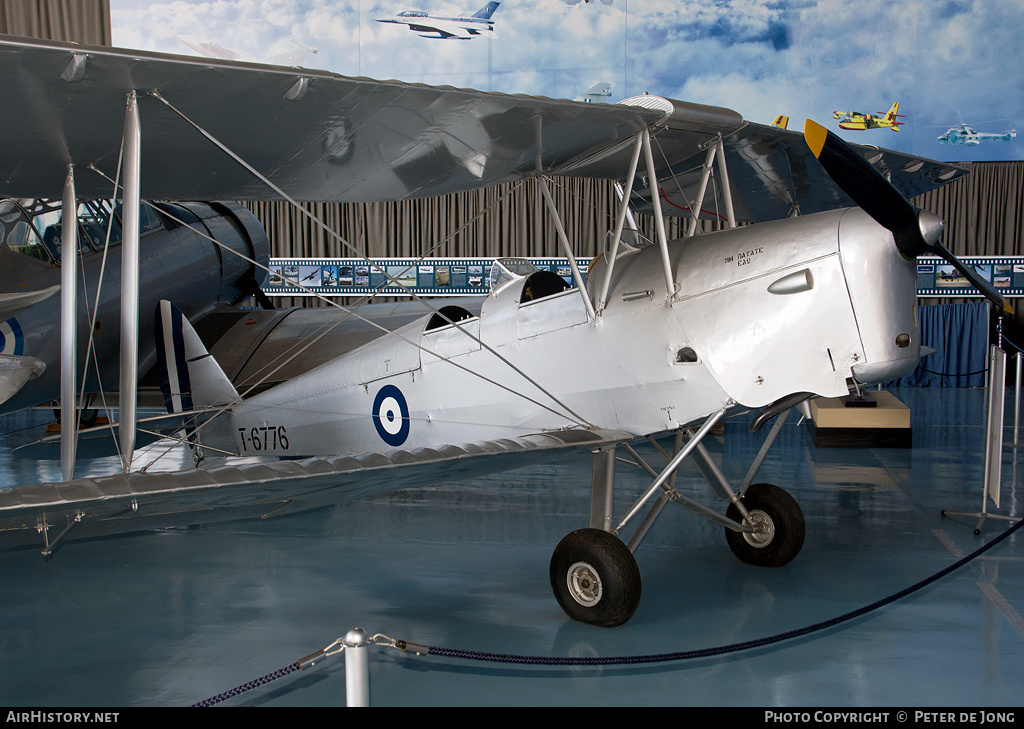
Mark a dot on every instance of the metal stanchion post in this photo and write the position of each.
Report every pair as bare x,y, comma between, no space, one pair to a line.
357,669
993,436
1016,400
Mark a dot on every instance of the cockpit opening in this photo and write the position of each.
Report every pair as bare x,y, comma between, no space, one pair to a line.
34,227
541,284
446,316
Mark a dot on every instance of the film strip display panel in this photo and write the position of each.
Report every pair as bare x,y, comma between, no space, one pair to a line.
469,276
394,276
935,277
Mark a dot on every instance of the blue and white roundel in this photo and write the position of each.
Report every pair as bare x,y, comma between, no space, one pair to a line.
391,415
12,340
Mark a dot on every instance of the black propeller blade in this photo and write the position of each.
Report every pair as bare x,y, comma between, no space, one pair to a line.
916,232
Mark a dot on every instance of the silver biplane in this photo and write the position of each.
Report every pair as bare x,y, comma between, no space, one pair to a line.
816,298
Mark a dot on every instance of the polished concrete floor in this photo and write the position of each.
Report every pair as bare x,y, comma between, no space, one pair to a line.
173,617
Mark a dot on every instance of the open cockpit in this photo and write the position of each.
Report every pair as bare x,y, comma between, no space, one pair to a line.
33,227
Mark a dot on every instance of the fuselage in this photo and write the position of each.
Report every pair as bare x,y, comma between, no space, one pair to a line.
970,138
759,313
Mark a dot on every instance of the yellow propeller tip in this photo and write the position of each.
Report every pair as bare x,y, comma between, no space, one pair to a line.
815,134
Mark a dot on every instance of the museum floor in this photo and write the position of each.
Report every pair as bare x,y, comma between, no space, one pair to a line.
173,617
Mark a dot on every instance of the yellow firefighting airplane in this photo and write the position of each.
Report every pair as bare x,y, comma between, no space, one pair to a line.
816,296
855,120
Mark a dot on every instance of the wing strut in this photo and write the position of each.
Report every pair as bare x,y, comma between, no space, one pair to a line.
566,248
620,222
723,172
715,150
659,220
69,330
130,281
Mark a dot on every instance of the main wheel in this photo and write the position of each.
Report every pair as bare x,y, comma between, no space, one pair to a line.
779,527
595,578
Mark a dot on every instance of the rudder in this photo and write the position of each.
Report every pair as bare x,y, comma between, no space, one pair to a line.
190,377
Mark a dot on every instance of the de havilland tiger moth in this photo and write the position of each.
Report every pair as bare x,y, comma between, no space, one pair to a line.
813,296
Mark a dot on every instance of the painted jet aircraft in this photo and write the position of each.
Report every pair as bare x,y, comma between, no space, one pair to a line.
428,26
855,120
600,90
781,121
967,136
661,338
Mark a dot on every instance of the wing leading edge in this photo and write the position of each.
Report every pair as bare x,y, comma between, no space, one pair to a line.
118,504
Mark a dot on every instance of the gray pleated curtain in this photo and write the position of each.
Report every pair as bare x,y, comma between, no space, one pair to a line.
83,21
984,211
984,214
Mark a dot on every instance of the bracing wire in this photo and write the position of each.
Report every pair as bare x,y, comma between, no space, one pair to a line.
572,415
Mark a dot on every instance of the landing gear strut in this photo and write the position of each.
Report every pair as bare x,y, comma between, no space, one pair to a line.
594,574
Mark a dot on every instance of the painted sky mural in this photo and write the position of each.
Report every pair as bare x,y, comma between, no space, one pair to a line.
947,62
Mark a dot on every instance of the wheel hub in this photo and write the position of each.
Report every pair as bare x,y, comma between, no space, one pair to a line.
764,529
584,584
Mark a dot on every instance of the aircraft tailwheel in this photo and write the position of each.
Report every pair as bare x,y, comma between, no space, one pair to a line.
595,578
86,417
779,527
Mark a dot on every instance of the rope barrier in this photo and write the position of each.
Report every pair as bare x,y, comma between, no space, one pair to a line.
953,374
734,647
261,681
420,649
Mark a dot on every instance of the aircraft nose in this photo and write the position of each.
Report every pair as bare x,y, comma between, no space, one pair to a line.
915,231
931,226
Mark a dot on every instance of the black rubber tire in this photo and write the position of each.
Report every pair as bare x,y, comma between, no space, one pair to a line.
584,555
768,501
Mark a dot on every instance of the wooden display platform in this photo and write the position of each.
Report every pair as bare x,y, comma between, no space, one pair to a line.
836,425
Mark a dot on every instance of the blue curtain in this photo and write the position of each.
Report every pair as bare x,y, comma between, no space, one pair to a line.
960,334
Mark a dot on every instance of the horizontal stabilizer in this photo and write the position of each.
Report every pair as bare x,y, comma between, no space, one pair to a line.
101,441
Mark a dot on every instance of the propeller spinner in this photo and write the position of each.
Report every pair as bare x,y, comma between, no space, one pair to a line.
916,232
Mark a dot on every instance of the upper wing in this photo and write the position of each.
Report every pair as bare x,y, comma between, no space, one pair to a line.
325,137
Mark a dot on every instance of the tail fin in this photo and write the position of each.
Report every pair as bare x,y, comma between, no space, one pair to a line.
781,121
189,376
891,116
486,11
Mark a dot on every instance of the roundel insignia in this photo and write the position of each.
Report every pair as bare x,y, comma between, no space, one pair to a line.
12,340
391,415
